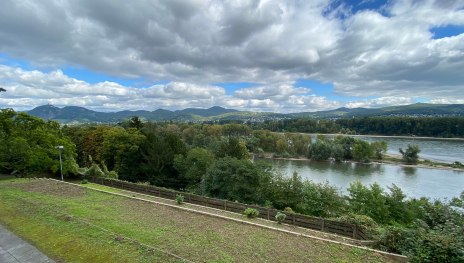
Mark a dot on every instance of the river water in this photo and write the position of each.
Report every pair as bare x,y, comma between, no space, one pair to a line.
415,182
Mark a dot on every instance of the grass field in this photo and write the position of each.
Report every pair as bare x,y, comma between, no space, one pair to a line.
68,223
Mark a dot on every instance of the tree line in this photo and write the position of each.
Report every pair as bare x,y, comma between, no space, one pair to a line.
407,126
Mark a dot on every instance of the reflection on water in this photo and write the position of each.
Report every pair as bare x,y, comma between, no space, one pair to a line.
409,170
414,181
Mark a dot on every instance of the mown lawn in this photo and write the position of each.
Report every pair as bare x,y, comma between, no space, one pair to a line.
64,221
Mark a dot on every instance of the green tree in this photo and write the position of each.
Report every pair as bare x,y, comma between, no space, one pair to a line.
320,151
347,143
362,151
237,180
321,200
28,145
379,149
157,157
193,166
370,202
118,148
233,147
411,155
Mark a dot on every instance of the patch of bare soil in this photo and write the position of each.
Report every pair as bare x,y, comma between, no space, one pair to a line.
51,187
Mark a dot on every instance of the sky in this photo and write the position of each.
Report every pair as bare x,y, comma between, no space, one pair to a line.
263,55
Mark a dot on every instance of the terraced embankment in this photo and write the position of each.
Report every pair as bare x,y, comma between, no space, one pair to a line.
75,224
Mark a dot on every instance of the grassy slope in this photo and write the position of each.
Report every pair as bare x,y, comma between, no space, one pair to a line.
37,210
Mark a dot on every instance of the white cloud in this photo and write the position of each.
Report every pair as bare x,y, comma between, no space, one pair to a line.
191,43
28,89
380,102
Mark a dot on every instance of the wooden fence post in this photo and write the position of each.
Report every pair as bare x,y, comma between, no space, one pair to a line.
355,231
268,217
225,205
323,225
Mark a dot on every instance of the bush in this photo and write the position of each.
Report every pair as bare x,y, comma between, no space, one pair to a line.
288,210
280,217
411,155
251,213
94,171
84,181
361,221
268,204
179,199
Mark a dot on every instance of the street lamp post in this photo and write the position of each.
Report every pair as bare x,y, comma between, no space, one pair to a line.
60,148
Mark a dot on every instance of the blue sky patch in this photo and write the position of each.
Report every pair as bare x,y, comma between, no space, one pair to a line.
447,31
95,77
322,89
16,63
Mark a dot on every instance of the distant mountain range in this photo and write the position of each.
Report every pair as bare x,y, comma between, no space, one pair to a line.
76,114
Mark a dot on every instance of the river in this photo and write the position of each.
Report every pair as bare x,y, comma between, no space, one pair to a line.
414,181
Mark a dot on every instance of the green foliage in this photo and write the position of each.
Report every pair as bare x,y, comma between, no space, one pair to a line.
368,201
94,171
362,221
321,200
457,164
320,151
179,199
280,217
420,126
28,145
268,204
194,166
288,210
379,149
251,213
234,179
411,155
362,151
84,181
233,147
158,151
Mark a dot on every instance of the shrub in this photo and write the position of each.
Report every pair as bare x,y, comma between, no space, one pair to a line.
411,154
268,204
362,221
179,199
94,171
457,165
84,181
288,210
280,217
251,213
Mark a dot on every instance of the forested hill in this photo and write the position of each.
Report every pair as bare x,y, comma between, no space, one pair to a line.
79,114
414,110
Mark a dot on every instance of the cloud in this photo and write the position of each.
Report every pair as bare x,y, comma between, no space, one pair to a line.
192,43
28,89
380,102
395,55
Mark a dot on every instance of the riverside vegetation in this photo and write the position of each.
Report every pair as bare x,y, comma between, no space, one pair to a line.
214,160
